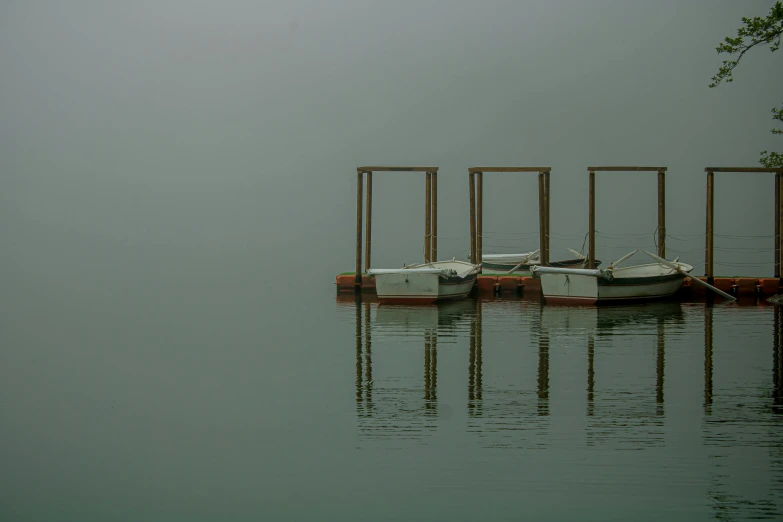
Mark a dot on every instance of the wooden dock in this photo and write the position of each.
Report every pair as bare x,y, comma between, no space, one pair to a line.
510,285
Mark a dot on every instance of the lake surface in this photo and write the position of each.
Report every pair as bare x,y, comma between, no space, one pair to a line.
316,407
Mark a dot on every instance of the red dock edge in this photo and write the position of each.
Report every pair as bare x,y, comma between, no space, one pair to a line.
489,286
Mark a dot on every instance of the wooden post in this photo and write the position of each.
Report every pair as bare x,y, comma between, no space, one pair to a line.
777,225
479,217
591,221
427,217
359,229
708,258
541,220
547,195
471,179
662,214
434,216
368,225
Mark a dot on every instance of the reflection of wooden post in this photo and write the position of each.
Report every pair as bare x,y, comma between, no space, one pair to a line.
428,218
662,214
472,364
660,366
777,360
471,179
359,229
368,226
777,224
430,369
479,217
708,266
707,358
434,216
434,366
427,368
591,220
367,354
358,350
479,347
590,373
543,370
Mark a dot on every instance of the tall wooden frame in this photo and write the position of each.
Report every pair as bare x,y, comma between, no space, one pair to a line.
709,248
430,214
661,205
476,179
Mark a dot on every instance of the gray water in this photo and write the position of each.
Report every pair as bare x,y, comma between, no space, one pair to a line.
177,191
344,409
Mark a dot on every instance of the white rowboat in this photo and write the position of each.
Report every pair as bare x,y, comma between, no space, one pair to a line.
587,286
425,283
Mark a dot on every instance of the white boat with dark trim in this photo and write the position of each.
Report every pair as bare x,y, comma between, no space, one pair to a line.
496,264
425,283
589,286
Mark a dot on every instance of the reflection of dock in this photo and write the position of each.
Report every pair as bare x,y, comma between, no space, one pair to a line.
393,412
619,408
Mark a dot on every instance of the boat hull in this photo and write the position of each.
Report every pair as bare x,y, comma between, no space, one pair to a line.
417,288
586,289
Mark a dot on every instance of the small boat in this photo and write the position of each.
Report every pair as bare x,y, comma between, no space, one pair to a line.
497,264
425,283
586,286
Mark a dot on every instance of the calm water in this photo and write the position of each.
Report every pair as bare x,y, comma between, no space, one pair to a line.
330,408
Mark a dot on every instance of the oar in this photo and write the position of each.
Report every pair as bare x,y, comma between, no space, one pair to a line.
577,254
694,279
626,256
524,260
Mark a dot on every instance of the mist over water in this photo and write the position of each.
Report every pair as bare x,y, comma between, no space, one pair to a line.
177,193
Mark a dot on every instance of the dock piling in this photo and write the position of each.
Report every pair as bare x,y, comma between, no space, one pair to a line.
662,213
708,255
368,219
591,221
472,180
479,217
541,219
777,224
434,240
427,217
359,180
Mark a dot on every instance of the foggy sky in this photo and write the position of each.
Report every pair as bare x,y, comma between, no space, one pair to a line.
206,139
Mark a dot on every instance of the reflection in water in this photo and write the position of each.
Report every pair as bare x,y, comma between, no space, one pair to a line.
543,372
777,363
590,374
659,366
390,408
522,396
358,350
431,371
367,357
707,360
474,364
